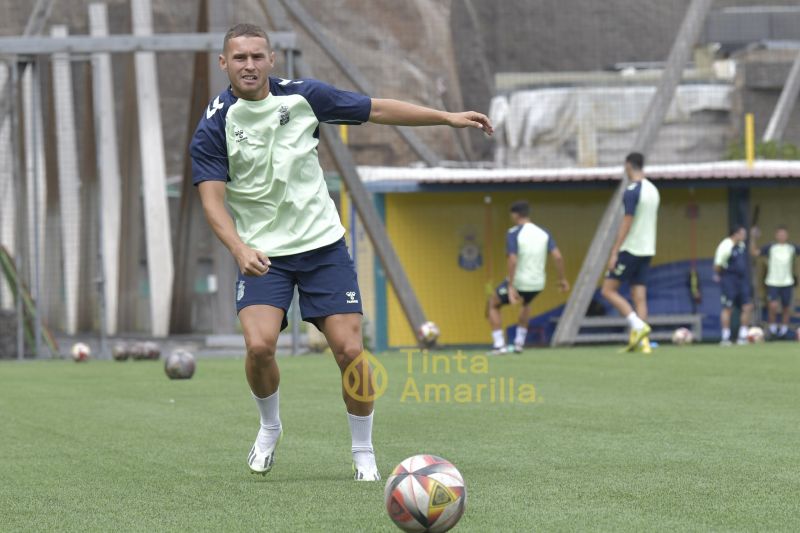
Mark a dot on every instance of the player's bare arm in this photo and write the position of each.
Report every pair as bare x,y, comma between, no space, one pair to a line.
558,259
513,294
212,196
622,233
397,113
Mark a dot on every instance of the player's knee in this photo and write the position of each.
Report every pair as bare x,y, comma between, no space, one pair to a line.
349,352
261,350
607,291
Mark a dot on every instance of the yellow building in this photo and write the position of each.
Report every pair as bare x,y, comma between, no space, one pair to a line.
448,228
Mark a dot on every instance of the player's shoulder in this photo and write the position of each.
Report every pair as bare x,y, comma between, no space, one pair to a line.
537,228
217,109
633,190
301,86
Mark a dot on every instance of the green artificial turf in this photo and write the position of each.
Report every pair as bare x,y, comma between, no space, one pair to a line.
689,439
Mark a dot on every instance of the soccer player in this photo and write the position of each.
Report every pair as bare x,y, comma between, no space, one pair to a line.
256,149
632,252
780,280
730,268
527,247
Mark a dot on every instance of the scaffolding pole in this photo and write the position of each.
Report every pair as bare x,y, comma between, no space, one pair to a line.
783,110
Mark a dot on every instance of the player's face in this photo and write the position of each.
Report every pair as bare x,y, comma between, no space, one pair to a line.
741,235
782,236
248,62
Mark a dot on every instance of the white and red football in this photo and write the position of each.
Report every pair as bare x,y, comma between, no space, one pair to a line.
425,493
80,352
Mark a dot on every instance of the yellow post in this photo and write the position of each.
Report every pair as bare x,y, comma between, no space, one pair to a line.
750,139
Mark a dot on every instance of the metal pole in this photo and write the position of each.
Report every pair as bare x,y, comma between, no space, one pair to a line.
786,102
101,272
37,271
14,117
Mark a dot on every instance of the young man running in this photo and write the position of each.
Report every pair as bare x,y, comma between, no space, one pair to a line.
780,281
256,149
632,252
527,247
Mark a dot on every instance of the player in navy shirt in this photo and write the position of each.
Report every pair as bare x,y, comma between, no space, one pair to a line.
731,267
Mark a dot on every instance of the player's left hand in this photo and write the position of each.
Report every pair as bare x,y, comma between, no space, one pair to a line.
513,296
563,285
471,119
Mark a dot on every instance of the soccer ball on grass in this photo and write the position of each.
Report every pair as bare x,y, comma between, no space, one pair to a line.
428,333
755,335
80,352
682,336
425,493
180,364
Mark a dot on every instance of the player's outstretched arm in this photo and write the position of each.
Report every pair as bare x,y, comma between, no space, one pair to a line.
212,196
397,113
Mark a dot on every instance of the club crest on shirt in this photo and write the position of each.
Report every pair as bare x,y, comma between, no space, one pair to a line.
283,111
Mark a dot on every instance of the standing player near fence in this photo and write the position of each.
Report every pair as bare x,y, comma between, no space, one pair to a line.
730,268
527,247
256,148
780,280
633,250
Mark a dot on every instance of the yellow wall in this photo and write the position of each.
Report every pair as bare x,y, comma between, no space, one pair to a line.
427,231
673,242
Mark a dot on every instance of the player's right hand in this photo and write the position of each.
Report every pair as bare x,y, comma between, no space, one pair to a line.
252,262
612,262
513,296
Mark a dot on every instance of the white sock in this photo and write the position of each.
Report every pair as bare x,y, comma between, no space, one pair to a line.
784,329
634,320
742,332
498,338
361,433
773,328
270,420
726,334
522,334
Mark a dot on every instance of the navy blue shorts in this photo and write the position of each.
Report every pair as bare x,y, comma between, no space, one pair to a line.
736,291
631,268
781,294
502,292
325,278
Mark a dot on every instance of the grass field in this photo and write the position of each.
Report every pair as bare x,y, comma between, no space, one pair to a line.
698,438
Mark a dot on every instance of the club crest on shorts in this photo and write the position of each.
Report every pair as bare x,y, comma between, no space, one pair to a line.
240,291
284,114
351,297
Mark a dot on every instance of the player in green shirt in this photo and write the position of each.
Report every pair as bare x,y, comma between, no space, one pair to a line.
780,281
255,149
633,250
